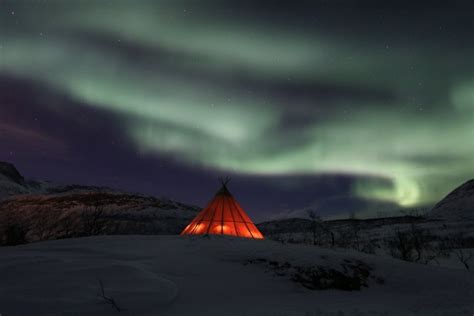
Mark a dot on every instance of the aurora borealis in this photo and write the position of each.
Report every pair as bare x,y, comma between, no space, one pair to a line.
314,101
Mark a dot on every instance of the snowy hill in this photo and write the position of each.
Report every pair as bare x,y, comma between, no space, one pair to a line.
13,183
33,211
173,275
298,225
9,172
436,234
457,205
76,213
341,207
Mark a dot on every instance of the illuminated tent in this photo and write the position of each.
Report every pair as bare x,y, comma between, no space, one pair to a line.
223,216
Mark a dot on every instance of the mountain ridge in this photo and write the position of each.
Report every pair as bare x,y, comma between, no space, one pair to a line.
9,171
458,204
34,211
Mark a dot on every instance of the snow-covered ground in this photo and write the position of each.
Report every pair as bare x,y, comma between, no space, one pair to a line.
173,275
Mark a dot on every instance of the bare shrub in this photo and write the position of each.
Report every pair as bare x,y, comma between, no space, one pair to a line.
67,226
368,246
457,243
421,239
400,246
43,225
355,229
351,276
413,244
93,220
316,227
13,234
348,236
344,238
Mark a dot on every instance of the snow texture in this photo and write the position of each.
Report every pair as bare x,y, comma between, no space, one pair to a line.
216,275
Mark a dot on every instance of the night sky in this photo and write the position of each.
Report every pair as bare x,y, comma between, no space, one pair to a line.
339,105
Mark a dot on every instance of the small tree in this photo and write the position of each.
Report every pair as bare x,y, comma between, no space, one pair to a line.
412,244
421,243
93,220
456,243
464,257
14,234
67,225
315,226
42,225
355,229
344,239
400,246
330,233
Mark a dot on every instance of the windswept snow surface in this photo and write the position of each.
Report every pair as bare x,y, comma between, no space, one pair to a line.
173,275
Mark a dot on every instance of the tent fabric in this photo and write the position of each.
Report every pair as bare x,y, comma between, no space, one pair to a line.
223,216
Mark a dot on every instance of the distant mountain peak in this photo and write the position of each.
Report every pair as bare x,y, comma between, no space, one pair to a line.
459,204
9,171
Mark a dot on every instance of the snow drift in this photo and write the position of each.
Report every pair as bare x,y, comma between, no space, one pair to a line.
173,275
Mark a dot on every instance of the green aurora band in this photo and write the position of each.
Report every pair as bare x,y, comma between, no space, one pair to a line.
421,139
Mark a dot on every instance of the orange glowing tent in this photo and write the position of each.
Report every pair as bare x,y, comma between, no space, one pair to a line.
223,216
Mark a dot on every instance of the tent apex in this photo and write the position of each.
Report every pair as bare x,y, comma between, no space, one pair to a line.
223,189
224,181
